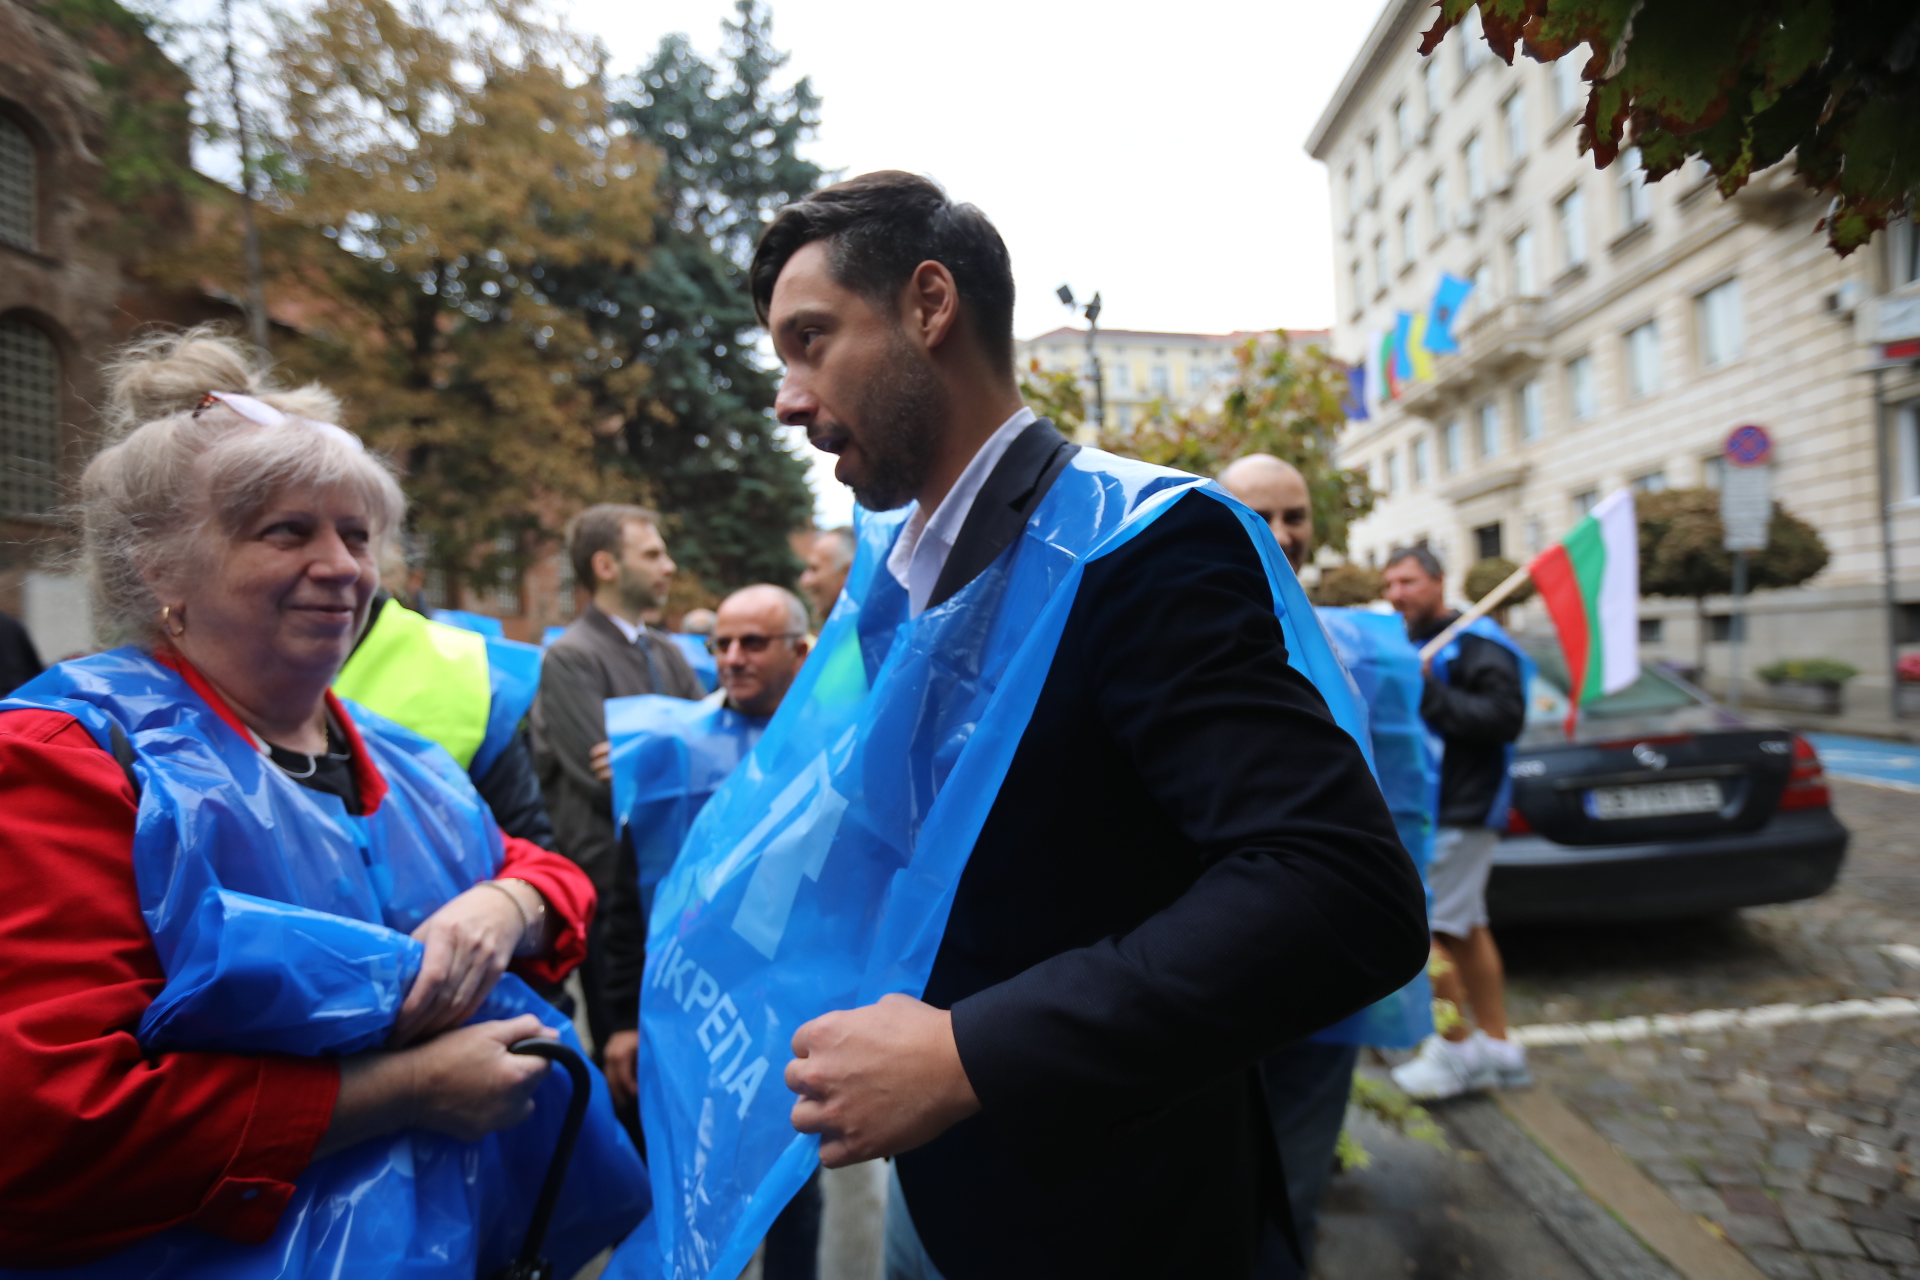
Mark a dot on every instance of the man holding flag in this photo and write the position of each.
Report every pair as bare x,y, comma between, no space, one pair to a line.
1476,703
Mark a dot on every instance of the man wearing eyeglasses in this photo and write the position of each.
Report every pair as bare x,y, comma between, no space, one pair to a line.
759,640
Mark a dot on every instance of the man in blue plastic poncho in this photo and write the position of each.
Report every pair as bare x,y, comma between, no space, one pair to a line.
1124,847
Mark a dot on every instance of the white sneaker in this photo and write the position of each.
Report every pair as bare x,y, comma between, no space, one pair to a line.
1443,1069
1507,1060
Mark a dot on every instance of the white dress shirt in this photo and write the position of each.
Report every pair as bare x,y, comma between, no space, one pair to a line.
630,630
926,541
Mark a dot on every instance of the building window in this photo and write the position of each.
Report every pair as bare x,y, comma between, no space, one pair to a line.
19,186
1712,468
1580,390
1158,379
1643,360
1122,376
1903,251
1718,315
1450,458
1650,630
1486,541
1570,213
1513,124
1585,501
506,579
1373,161
435,589
1488,418
1532,410
1403,130
1636,203
29,420
1536,535
1565,75
1421,466
1480,297
1437,204
1351,190
1393,472
1125,412
1906,449
1474,155
1473,45
1196,377
1405,226
1520,258
1356,287
1652,482
1381,271
1430,83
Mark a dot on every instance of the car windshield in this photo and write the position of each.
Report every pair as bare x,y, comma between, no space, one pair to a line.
1652,694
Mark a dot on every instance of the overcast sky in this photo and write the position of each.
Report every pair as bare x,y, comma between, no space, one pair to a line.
1151,152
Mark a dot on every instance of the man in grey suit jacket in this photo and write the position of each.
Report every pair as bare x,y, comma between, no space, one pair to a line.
608,652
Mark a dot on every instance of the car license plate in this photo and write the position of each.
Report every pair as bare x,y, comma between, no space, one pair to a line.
1654,800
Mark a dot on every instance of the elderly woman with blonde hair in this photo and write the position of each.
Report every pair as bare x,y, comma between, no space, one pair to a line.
258,1014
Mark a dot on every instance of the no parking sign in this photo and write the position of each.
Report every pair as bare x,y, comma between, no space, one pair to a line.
1746,488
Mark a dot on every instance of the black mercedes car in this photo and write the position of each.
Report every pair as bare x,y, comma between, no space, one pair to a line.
1663,804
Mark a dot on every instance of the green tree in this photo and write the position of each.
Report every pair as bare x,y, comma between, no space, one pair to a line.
1741,84
1285,401
1056,396
1683,553
702,434
435,165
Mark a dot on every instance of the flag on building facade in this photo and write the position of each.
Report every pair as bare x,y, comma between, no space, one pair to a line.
1590,584
1419,354
1448,298
1355,404
1389,380
1402,349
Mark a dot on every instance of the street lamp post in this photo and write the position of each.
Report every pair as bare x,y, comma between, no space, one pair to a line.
1092,312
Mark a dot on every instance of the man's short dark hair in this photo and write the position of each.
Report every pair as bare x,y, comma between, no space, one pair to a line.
601,528
1428,562
879,227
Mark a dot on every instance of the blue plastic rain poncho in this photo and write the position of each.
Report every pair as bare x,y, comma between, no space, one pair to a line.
699,657
669,756
281,921
1488,629
1386,668
820,875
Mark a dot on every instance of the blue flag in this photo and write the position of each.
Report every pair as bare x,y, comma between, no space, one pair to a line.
1448,298
1355,404
1402,356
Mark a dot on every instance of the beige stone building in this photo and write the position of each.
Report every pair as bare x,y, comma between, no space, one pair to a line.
1617,332
1181,371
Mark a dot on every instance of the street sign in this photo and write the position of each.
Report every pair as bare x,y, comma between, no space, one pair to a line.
1749,446
1746,506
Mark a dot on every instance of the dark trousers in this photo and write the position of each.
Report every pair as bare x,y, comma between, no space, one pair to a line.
593,984
793,1242
1307,1087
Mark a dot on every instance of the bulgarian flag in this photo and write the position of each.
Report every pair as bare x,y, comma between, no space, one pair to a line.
1590,583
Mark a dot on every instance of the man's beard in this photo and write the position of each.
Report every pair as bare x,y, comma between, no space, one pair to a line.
901,416
636,592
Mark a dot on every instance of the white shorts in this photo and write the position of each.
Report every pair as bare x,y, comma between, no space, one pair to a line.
1462,859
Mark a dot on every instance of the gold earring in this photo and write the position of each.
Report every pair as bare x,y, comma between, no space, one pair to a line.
166,622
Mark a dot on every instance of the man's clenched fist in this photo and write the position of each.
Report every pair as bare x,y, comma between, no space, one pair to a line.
879,1080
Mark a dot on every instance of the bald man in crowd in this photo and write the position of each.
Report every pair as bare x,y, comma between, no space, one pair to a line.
1308,1081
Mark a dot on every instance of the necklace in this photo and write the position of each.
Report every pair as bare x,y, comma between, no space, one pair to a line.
274,753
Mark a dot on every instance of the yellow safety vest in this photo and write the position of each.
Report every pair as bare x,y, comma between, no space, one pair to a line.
428,676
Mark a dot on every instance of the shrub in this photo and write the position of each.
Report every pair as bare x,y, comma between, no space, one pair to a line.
1808,671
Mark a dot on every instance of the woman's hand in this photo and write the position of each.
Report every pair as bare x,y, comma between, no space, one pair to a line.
463,1084
470,942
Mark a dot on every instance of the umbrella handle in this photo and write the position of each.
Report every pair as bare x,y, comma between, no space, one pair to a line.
530,1263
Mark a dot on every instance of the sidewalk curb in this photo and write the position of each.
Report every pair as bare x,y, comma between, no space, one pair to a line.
1611,1179
1598,1242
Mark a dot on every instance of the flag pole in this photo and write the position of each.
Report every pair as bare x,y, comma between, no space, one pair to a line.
1481,608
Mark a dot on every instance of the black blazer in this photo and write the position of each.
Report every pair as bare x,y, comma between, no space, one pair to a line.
1188,865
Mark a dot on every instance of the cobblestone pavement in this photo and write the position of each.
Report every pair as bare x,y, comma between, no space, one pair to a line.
1801,1143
